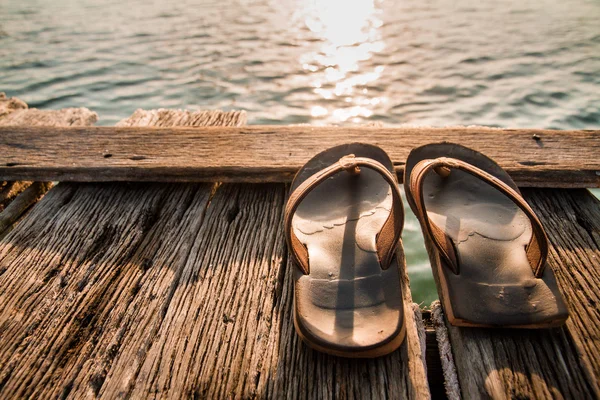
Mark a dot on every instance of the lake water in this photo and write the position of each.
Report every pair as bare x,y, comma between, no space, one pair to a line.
510,63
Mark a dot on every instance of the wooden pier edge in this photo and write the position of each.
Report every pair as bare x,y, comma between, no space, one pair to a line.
94,263
169,290
534,158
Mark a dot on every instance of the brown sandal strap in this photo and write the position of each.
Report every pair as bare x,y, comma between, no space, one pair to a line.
388,237
536,249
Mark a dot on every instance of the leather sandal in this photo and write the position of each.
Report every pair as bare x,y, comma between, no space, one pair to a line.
487,247
343,222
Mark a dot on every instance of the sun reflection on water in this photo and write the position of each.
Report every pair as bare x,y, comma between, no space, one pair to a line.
350,34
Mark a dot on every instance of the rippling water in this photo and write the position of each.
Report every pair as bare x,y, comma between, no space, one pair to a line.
510,63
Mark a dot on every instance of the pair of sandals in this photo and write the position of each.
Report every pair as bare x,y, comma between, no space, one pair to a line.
343,225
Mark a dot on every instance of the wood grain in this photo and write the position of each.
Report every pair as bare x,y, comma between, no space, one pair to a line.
175,298
87,274
572,221
167,291
274,153
13,212
10,190
178,118
15,112
57,118
9,105
545,363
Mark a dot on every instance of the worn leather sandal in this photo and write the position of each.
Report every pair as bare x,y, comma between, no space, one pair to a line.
487,247
343,222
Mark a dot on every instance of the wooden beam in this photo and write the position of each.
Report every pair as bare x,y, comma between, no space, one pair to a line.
538,158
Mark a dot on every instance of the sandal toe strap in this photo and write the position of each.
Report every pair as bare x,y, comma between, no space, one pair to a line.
388,237
536,249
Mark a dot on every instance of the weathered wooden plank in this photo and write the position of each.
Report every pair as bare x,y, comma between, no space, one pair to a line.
178,118
558,363
10,190
32,194
15,112
572,219
157,290
451,385
9,105
274,153
91,246
89,271
163,301
57,118
221,332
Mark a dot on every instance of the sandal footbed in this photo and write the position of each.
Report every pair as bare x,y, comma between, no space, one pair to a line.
347,305
495,285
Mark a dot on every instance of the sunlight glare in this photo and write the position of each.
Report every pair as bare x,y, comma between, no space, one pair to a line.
350,35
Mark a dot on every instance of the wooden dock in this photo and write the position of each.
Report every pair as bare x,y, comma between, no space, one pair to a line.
178,285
